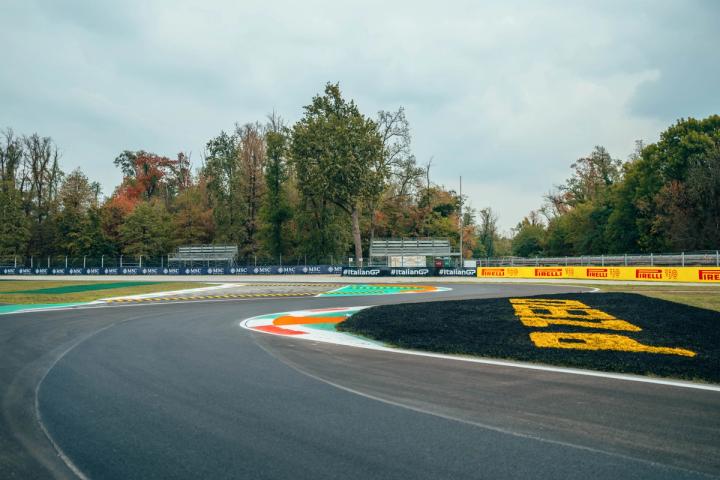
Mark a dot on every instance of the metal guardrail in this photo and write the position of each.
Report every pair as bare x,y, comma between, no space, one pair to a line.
663,259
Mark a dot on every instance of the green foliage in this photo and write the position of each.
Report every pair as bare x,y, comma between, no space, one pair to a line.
337,155
147,231
14,228
276,211
336,177
528,241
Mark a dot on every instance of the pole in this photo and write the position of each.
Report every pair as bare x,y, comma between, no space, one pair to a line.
462,263
102,261
84,261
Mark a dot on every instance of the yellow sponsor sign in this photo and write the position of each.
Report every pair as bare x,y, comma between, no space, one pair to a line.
643,274
543,312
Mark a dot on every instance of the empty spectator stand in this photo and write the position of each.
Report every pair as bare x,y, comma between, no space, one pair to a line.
206,255
386,251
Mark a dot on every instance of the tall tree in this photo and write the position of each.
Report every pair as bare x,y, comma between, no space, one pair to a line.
487,231
252,185
276,211
221,172
338,157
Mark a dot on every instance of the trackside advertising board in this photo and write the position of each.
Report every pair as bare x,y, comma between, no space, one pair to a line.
264,270
638,274
407,272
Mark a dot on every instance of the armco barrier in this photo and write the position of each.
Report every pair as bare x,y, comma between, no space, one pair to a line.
264,270
407,272
640,274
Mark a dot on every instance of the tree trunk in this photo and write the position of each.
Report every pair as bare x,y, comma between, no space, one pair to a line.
356,235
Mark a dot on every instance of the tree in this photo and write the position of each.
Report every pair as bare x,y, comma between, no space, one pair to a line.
529,236
652,209
146,231
397,160
14,228
77,196
487,231
276,211
338,157
40,179
147,175
220,171
192,216
252,185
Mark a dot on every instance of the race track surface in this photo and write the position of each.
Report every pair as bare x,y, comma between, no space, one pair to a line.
179,390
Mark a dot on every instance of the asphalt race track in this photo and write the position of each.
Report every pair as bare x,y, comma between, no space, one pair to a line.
179,390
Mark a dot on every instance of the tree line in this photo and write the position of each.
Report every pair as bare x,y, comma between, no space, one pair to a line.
664,198
317,190
324,187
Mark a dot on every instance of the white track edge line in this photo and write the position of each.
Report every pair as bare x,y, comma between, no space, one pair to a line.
506,363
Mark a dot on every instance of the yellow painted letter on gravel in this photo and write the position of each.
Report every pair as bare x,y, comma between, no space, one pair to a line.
600,341
544,312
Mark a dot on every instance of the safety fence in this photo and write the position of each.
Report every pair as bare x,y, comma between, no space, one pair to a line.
680,259
137,270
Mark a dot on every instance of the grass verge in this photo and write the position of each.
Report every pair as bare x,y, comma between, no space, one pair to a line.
490,328
697,296
52,291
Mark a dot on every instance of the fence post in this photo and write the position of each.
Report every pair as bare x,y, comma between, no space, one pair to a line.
162,261
626,259
717,258
15,260
281,259
48,261
121,261
84,261
140,262
31,261
102,261
682,254
652,261
566,261
65,262
602,260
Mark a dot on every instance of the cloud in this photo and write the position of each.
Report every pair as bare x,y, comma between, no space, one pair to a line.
507,94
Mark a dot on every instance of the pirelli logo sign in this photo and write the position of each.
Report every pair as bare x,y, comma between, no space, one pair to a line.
597,272
548,272
711,275
492,272
649,273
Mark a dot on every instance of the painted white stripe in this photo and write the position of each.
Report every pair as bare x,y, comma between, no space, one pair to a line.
340,338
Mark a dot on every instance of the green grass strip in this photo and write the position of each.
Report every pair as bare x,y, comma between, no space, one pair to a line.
81,288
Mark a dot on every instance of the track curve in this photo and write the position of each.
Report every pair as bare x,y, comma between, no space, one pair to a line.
180,391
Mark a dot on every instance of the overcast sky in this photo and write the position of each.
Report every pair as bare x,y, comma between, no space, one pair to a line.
507,94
